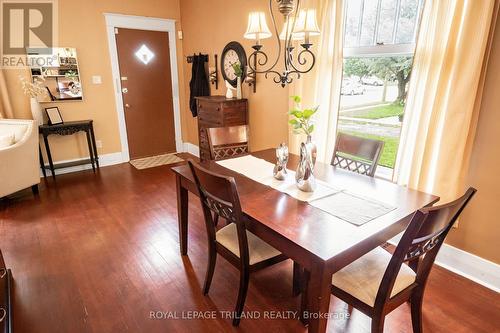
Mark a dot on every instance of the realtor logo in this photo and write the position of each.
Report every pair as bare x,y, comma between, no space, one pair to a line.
28,24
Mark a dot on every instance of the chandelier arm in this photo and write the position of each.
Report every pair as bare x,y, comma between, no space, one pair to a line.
277,76
302,60
288,38
276,32
252,59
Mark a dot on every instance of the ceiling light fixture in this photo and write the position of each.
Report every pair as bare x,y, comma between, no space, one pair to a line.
300,24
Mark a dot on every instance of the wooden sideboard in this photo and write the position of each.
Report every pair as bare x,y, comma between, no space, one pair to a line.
218,111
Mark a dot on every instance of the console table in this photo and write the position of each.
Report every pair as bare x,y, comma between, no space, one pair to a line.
69,128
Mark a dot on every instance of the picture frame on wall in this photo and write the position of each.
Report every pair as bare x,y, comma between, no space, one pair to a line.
54,116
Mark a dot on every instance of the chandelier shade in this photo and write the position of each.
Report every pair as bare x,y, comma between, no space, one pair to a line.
257,27
307,23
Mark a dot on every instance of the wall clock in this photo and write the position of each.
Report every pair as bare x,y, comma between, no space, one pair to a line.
233,53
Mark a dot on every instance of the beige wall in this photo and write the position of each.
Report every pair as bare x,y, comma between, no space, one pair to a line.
208,26
82,25
479,228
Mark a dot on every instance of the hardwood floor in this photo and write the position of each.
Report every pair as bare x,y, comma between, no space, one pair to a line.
99,253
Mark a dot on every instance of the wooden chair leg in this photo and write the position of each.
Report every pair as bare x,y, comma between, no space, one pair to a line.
378,324
216,219
34,189
212,257
242,294
297,279
416,311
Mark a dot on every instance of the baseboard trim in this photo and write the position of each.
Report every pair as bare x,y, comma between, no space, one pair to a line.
192,149
104,160
468,265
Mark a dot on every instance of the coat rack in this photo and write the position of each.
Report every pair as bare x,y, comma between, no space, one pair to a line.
190,59
213,73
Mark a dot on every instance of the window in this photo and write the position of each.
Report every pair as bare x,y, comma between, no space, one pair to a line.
379,43
381,26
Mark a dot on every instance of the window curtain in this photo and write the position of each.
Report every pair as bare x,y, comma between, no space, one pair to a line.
322,85
5,105
444,95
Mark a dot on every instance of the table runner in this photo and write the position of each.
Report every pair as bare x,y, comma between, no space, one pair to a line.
261,171
350,207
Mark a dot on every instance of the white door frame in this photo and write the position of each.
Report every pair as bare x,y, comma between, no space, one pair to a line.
142,23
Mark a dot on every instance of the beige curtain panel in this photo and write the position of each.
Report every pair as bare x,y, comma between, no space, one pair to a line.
322,85
442,107
5,105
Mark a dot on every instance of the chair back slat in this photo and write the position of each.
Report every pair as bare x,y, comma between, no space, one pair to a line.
219,195
357,154
421,242
228,142
436,225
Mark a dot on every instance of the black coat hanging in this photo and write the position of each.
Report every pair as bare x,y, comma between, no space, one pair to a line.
199,84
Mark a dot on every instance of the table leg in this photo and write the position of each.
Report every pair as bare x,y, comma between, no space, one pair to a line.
297,278
182,214
91,152
318,299
42,163
49,156
92,136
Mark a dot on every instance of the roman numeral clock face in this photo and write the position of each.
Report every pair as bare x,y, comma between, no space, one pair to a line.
233,54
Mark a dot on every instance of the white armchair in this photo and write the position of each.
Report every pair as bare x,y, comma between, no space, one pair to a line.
19,157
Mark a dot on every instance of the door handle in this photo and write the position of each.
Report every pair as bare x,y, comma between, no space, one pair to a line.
127,105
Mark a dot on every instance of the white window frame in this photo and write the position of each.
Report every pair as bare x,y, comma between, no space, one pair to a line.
383,50
380,50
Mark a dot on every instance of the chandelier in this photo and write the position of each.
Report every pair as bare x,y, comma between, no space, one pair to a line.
300,24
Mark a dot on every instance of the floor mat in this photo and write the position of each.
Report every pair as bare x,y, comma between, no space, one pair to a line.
154,161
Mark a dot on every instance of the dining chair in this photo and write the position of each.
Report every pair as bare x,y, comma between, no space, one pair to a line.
228,142
379,282
357,154
244,250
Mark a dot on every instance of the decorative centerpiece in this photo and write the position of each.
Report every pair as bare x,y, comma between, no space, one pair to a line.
229,90
279,171
302,124
34,90
238,71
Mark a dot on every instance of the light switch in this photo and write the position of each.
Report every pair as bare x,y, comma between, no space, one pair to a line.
179,34
96,79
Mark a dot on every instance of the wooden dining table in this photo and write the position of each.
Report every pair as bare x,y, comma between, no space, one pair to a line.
320,242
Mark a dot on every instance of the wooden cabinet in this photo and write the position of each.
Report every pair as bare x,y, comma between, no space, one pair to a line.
5,298
218,111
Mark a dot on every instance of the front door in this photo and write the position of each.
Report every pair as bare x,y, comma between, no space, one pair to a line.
146,82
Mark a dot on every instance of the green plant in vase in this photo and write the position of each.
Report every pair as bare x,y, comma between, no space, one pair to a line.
238,71
302,118
302,123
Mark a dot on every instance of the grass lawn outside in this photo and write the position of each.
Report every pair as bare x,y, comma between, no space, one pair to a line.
383,111
388,157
